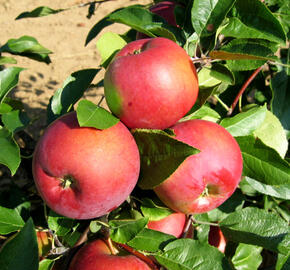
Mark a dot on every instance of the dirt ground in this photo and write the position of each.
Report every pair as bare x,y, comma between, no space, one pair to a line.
64,34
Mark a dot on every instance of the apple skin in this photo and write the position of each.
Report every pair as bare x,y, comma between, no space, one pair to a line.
217,239
97,255
153,88
172,224
205,180
102,164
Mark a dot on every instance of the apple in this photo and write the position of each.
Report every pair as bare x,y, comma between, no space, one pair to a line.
216,238
82,172
165,10
172,224
97,255
205,180
151,83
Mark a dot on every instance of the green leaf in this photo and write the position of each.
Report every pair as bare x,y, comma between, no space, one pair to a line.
72,90
252,19
10,220
206,80
160,155
257,227
283,262
272,134
205,113
245,123
46,264
38,12
7,60
21,251
15,120
108,45
207,15
122,231
27,46
10,152
8,80
263,163
95,226
279,191
150,240
247,257
144,21
280,105
91,115
59,224
153,211
184,254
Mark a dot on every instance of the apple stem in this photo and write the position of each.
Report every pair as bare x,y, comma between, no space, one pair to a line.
204,222
242,90
222,103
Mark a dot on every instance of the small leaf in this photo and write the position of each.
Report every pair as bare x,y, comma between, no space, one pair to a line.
72,90
8,80
207,15
21,251
95,226
153,211
122,231
279,191
205,113
91,115
7,60
15,120
108,45
10,220
245,123
10,152
272,134
247,257
283,262
206,80
160,155
184,254
38,12
257,227
150,240
46,264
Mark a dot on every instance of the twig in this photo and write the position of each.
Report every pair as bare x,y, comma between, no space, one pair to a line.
83,238
242,90
187,226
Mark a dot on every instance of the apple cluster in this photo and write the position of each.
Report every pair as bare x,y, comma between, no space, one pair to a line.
85,173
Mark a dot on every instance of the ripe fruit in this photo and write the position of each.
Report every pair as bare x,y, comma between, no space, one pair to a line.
172,224
151,83
217,239
205,180
84,172
97,255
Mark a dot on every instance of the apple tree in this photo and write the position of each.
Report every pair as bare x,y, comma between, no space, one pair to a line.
240,50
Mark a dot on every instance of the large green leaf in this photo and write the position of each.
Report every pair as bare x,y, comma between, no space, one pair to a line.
252,19
247,257
72,90
245,123
10,220
91,115
21,251
10,152
161,155
207,15
38,12
122,231
185,254
8,80
283,262
15,120
27,46
257,227
263,163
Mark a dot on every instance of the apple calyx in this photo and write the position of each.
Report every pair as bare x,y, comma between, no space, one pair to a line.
67,181
210,190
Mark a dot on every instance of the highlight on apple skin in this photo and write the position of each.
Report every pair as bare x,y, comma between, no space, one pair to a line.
151,83
172,224
205,180
83,172
97,255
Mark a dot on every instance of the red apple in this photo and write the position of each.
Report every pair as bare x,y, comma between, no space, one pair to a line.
97,255
172,224
82,172
165,10
151,83
205,180
216,238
